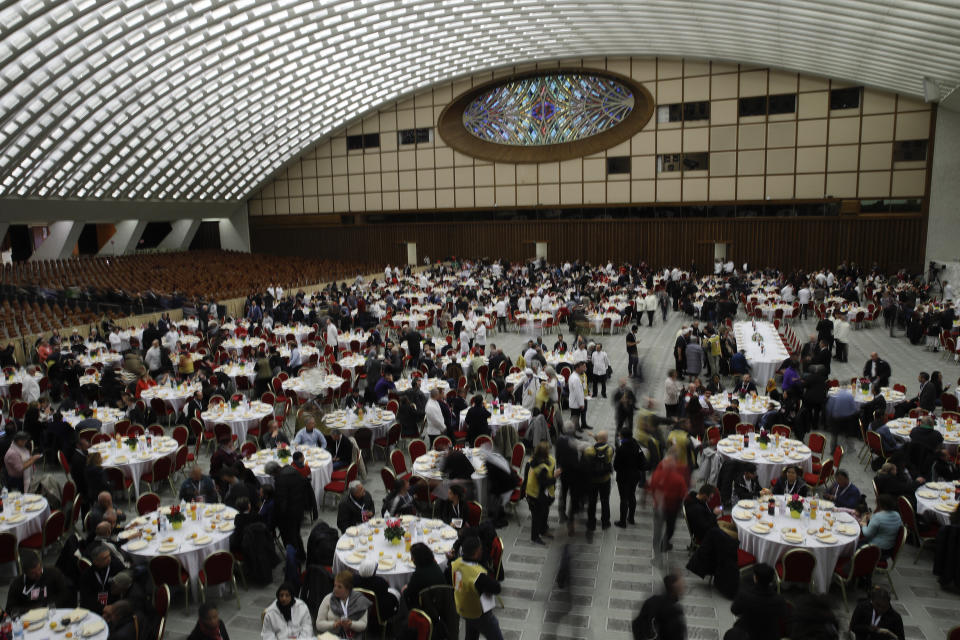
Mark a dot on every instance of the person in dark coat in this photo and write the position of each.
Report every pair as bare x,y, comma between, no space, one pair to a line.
717,556
293,497
38,586
120,620
209,625
355,508
762,613
946,564
409,417
367,579
745,485
456,466
630,465
791,482
427,573
476,420
877,370
662,615
700,518
340,448
245,517
875,619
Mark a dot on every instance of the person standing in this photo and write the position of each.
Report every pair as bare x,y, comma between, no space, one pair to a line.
541,484
568,462
575,399
625,404
473,592
601,370
630,464
650,306
668,484
673,390
633,359
598,461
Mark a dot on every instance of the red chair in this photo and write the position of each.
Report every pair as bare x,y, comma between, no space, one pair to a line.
8,549
729,423
248,449
399,464
180,459
949,402
121,427
442,443
714,435
167,570
885,566
218,569
861,565
389,478
917,412
745,428
796,565
474,513
900,387
416,448
147,503
482,440
875,446
745,559
782,430
156,431
921,535
68,493
161,409
161,600
162,470
49,535
819,479
817,443
181,434
119,481
100,438
364,438
393,406
338,488
135,431
422,625
64,463
517,455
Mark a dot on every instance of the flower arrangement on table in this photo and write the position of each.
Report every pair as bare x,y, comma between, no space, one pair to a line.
234,404
176,517
795,504
756,337
393,531
763,439
131,442
283,452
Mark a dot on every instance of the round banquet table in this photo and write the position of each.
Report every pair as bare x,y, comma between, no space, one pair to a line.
237,344
862,397
6,381
232,371
771,461
176,397
133,464
362,540
108,417
125,336
102,357
93,378
513,414
213,527
312,383
240,419
427,467
412,319
768,547
937,499
426,385
596,319
351,362
374,418
770,309
24,514
300,332
319,461
558,360
89,625
750,408
902,427
349,337
463,361
306,352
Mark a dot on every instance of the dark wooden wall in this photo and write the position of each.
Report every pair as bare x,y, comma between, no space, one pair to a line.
894,241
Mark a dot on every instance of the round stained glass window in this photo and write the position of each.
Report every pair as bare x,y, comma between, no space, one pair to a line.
542,116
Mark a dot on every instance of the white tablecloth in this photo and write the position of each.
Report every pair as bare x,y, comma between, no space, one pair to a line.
5,382
596,319
24,514
770,546
750,408
103,357
376,419
300,332
426,385
237,344
862,397
427,467
312,383
91,621
512,414
319,461
770,461
240,419
902,427
763,363
191,555
232,371
439,537
135,463
932,494
107,416
176,396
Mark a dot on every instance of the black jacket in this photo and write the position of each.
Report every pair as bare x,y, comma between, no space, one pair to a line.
666,615
52,591
883,371
629,461
293,496
700,518
928,396
349,514
342,452
200,634
90,586
761,613
476,423
780,486
862,618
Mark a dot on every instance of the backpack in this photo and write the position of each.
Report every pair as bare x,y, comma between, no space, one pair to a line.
600,463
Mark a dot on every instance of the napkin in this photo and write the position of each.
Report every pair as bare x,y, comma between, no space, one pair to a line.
760,528
345,544
136,545
92,628
793,537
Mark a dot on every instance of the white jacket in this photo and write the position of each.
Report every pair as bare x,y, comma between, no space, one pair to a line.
650,302
276,628
576,391
601,363
434,414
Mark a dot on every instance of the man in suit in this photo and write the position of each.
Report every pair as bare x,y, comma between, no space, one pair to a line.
874,618
926,397
822,355
700,518
877,370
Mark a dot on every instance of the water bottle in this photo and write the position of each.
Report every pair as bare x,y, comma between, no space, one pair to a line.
17,629
4,494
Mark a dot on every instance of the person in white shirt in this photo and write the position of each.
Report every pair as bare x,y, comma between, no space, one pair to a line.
288,617
30,389
480,337
278,293
115,341
152,358
535,303
831,279
729,266
576,399
841,333
675,274
332,334
787,294
296,359
803,297
464,341
434,416
270,290
171,338
267,322
387,274
310,436
601,370
947,292
501,308
530,387
578,355
650,306
522,304
717,267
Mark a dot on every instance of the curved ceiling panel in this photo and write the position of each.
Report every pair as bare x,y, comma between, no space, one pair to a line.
204,99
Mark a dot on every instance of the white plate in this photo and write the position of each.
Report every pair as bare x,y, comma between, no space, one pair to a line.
92,628
201,540
760,529
36,615
136,545
168,547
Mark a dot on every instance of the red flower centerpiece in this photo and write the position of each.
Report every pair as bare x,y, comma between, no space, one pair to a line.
176,517
393,531
795,504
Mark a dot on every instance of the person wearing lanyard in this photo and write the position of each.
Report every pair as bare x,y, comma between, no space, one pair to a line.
875,619
38,587
355,508
340,448
94,584
844,493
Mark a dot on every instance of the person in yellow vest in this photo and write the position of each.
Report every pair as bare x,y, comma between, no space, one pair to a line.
541,484
474,591
712,347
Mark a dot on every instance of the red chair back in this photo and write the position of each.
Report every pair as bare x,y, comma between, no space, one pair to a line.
422,625
442,443
744,428
167,570
64,463
398,462
161,600
156,430
783,430
100,437
135,431
68,493
54,527
482,440
416,448
496,557
798,565
474,513
121,427
837,456
864,562
218,568
713,435
147,503
389,478
8,548
181,434
817,442
729,422
517,455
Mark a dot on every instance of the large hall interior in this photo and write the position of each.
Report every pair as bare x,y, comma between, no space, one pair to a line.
442,319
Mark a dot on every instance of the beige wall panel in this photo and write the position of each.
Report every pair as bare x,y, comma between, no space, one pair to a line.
669,91
779,187
695,89
446,199
622,149
255,207
845,130
443,157
571,170
371,182
724,86
843,158
483,176
594,169
723,112
723,163
908,184
388,181
696,68
309,167
696,139
813,83
371,163
878,101
811,159
463,197
463,176
340,184
643,143
594,192
549,172
875,128
296,205
295,187
695,189
373,202
526,174
527,195
723,188
876,156
751,136
753,83
750,163
355,183
571,194
668,191
723,138
842,185
269,207
782,82
505,174
444,179
388,161
914,125
750,188
669,68
811,133
780,160
781,134
643,167
405,119
874,184
643,191
424,158
339,165
643,69
407,159
910,104
669,142
810,185
485,196
311,204
618,192
506,196
408,200
549,194
619,65
388,121
325,186
341,204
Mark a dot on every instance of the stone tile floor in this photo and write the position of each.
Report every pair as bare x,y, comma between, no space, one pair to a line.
613,575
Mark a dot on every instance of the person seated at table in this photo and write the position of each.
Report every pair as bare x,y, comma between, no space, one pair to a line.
926,397
717,556
124,588
761,611
194,406
341,449
245,516
355,508
234,488
409,417
426,573
287,616
384,385
700,518
121,622
842,492
746,486
19,463
454,507
94,584
733,409
38,586
103,535
882,527
209,625
387,599
225,456
456,466
715,386
143,383
924,442
199,485
746,385
944,468
875,619
400,500
343,612
877,370
273,436
310,436
133,411
267,499
791,483
477,420
300,464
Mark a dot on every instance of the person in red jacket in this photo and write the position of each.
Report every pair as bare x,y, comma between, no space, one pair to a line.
668,484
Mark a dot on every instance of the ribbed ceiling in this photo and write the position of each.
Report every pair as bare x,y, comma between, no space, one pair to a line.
203,100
